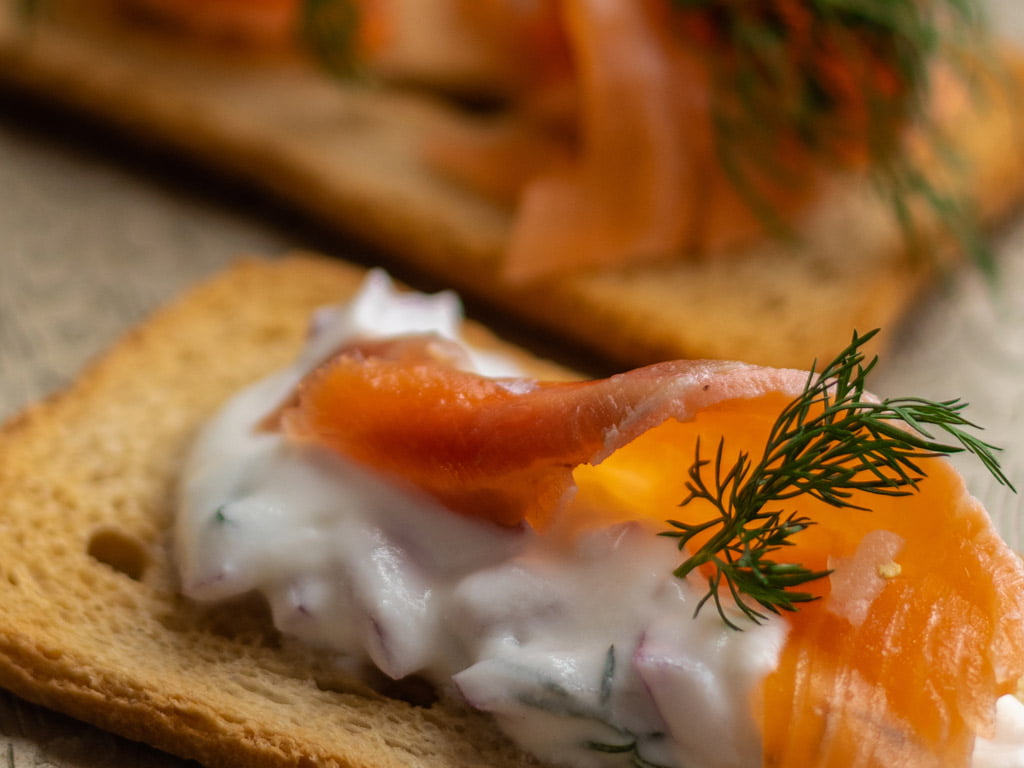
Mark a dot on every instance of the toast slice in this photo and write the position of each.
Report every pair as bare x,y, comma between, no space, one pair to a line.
349,156
91,623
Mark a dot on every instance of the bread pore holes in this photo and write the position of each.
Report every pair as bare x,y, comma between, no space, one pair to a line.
119,551
413,690
369,681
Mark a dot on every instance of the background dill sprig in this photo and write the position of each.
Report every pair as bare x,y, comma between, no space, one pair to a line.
330,28
836,84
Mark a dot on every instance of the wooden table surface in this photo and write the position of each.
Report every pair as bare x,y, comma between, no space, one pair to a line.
95,232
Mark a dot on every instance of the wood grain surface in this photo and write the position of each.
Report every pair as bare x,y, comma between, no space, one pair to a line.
96,231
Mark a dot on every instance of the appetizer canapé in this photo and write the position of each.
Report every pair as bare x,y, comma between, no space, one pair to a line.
693,563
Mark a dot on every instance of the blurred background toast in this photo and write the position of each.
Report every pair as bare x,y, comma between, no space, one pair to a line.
350,153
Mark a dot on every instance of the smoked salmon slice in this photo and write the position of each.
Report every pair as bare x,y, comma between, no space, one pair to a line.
690,127
912,638
501,449
630,131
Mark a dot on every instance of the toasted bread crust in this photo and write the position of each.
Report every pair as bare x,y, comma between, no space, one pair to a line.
91,623
350,157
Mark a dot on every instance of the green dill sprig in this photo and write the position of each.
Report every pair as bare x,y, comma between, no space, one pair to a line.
553,696
630,749
830,443
330,28
29,11
842,79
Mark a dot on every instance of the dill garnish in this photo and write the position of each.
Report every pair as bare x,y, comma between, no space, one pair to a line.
331,30
837,83
29,10
631,748
829,443
220,516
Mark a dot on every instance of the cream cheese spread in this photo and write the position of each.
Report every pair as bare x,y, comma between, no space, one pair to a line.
586,656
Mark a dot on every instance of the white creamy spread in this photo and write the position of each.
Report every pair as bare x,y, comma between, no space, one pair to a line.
586,658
